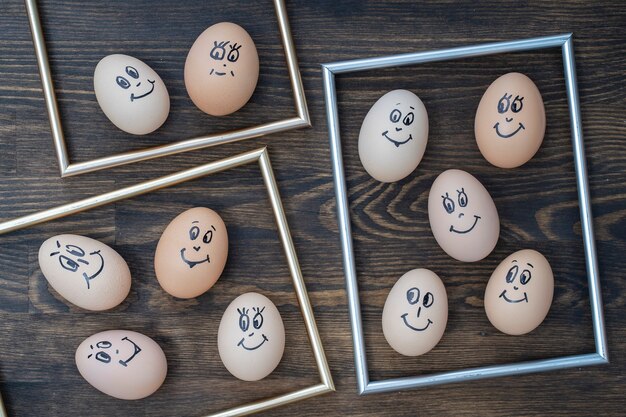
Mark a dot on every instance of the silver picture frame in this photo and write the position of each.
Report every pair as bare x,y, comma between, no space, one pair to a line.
600,356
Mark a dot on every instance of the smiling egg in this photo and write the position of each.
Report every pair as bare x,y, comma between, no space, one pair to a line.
251,337
462,215
393,136
510,121
222,69
191,253
519,293
415,313
131,94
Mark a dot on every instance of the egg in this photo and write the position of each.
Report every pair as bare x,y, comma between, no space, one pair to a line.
510,121
131,94
519,293
84,271
251,337
123,364
415,313
393,136
191,253
222,69
463,217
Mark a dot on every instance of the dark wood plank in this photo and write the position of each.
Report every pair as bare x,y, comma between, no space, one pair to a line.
537,204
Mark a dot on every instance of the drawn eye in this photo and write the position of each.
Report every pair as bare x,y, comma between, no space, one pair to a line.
257,322
408,119
525,277
503,104
395,115
122,82
429,299
244,321
510,276
413,295
74,250
103,357
132,72
218,50
462,197
517,104
194,232
208,237
448,204
233,55
68,263
103,345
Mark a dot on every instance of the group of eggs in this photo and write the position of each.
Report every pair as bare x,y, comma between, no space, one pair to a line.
221,73
509,128
189,259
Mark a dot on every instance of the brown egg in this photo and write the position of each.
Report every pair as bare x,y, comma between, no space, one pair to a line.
510,121
415,313
84,271
519,292
462,215
123,364
191,253
222,69
251,337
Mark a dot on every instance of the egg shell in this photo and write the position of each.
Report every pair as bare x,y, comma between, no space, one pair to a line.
222,69
84,271
415,313
470,230
121,363
191,253
519,292
393,136
131,94
510,121
251,337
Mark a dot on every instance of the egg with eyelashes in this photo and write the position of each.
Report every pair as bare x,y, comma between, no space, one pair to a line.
131,94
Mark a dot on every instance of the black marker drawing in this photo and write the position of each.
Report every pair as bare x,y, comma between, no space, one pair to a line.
194,233
504,104
105,357
125,84
413,297
395,117
257,323
449,207
74,257
510,279
218,52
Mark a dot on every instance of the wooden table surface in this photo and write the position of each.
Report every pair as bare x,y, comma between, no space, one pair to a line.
537,203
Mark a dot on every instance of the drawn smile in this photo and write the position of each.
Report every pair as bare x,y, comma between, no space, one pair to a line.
395,142
406,323
89,278
452,229
265,339
220,73
193,263
133,97
508,300
520,127
137,349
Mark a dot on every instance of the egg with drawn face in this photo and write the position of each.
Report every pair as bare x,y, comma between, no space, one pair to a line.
131,94
415,313
191,253
463,217
222,69
393,136
251,337
510,121
519,293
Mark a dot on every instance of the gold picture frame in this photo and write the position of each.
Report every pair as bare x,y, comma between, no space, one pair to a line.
67,168
262,157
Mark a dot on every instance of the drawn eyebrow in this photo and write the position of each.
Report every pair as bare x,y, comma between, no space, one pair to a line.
213,227
514,260
397,104
412,107
195,221
529,264
54,253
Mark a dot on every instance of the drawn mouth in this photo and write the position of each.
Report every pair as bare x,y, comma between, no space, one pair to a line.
133,97
220,73
137,349
89,278
508,300
520,127
193,263
406,323
395,142
265,339
452,229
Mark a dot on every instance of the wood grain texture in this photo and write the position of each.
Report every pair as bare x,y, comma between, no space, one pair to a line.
537,204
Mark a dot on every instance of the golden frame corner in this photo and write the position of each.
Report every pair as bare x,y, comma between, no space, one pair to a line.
67,168
262,157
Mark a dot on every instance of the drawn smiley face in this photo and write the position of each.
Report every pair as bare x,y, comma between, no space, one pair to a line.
105,351
74,259
130,81
509,109
224,55
199,249
417,304
247,342
400,122
514,289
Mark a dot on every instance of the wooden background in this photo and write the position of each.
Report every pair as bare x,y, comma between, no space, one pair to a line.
537,204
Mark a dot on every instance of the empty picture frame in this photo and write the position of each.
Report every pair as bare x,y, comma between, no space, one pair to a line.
600,356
